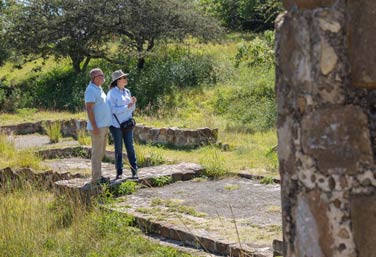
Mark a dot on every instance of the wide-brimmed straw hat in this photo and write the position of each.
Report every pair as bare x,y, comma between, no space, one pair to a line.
117,75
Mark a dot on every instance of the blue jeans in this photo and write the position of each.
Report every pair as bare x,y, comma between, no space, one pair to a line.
119,136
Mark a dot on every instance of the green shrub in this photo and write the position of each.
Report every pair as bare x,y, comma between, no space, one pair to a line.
167,70
53,130
59,89
258,52
15,97
26,112
272,157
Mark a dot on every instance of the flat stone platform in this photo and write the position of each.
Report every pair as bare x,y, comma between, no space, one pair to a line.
181,171
222,216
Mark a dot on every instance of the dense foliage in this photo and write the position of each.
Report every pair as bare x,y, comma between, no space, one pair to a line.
4,52
251,15
63,89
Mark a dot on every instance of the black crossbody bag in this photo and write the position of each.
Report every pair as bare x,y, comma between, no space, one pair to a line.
127,125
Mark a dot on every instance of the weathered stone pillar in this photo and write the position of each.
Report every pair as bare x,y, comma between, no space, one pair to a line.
325,80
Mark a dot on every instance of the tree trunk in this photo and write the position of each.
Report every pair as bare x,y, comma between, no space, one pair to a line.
86,63
76,61
140,63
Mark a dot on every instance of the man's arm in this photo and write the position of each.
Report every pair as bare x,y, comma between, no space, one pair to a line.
91,116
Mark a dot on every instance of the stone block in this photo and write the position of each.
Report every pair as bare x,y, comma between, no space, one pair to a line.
307,4
362,42
363,217
176,234
222,248
278,247
177,176
208,244
336,138
294,46
188,175
313,233
165,232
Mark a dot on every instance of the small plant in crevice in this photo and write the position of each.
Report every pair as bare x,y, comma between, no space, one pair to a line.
161,181
231,187
213,163
53,130
80,152
272,157
107,195
126,188
267,180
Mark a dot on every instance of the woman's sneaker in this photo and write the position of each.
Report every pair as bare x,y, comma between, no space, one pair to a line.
134,174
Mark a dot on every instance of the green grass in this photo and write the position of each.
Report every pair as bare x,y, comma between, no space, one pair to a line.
10,157
36,223
248,153
16,71
83,137
20,117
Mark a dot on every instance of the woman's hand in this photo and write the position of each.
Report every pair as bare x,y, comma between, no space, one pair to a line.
133,101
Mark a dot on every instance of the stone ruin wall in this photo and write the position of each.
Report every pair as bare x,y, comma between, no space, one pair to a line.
176,137
143,134
326,127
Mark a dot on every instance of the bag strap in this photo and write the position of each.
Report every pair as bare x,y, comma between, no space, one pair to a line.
117,119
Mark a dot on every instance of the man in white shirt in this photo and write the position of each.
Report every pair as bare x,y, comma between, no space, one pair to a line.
99,118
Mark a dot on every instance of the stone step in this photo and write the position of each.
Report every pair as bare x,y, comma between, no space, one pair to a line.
82,189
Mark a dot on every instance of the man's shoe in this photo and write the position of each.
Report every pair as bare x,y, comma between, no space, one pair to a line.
119,176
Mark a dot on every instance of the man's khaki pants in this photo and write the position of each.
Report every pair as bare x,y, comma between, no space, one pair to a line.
98,148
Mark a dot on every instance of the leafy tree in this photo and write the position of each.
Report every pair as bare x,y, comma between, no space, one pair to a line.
60,28
82,30
142,23
4,52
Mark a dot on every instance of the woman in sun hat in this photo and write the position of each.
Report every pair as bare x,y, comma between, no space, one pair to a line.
122,105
